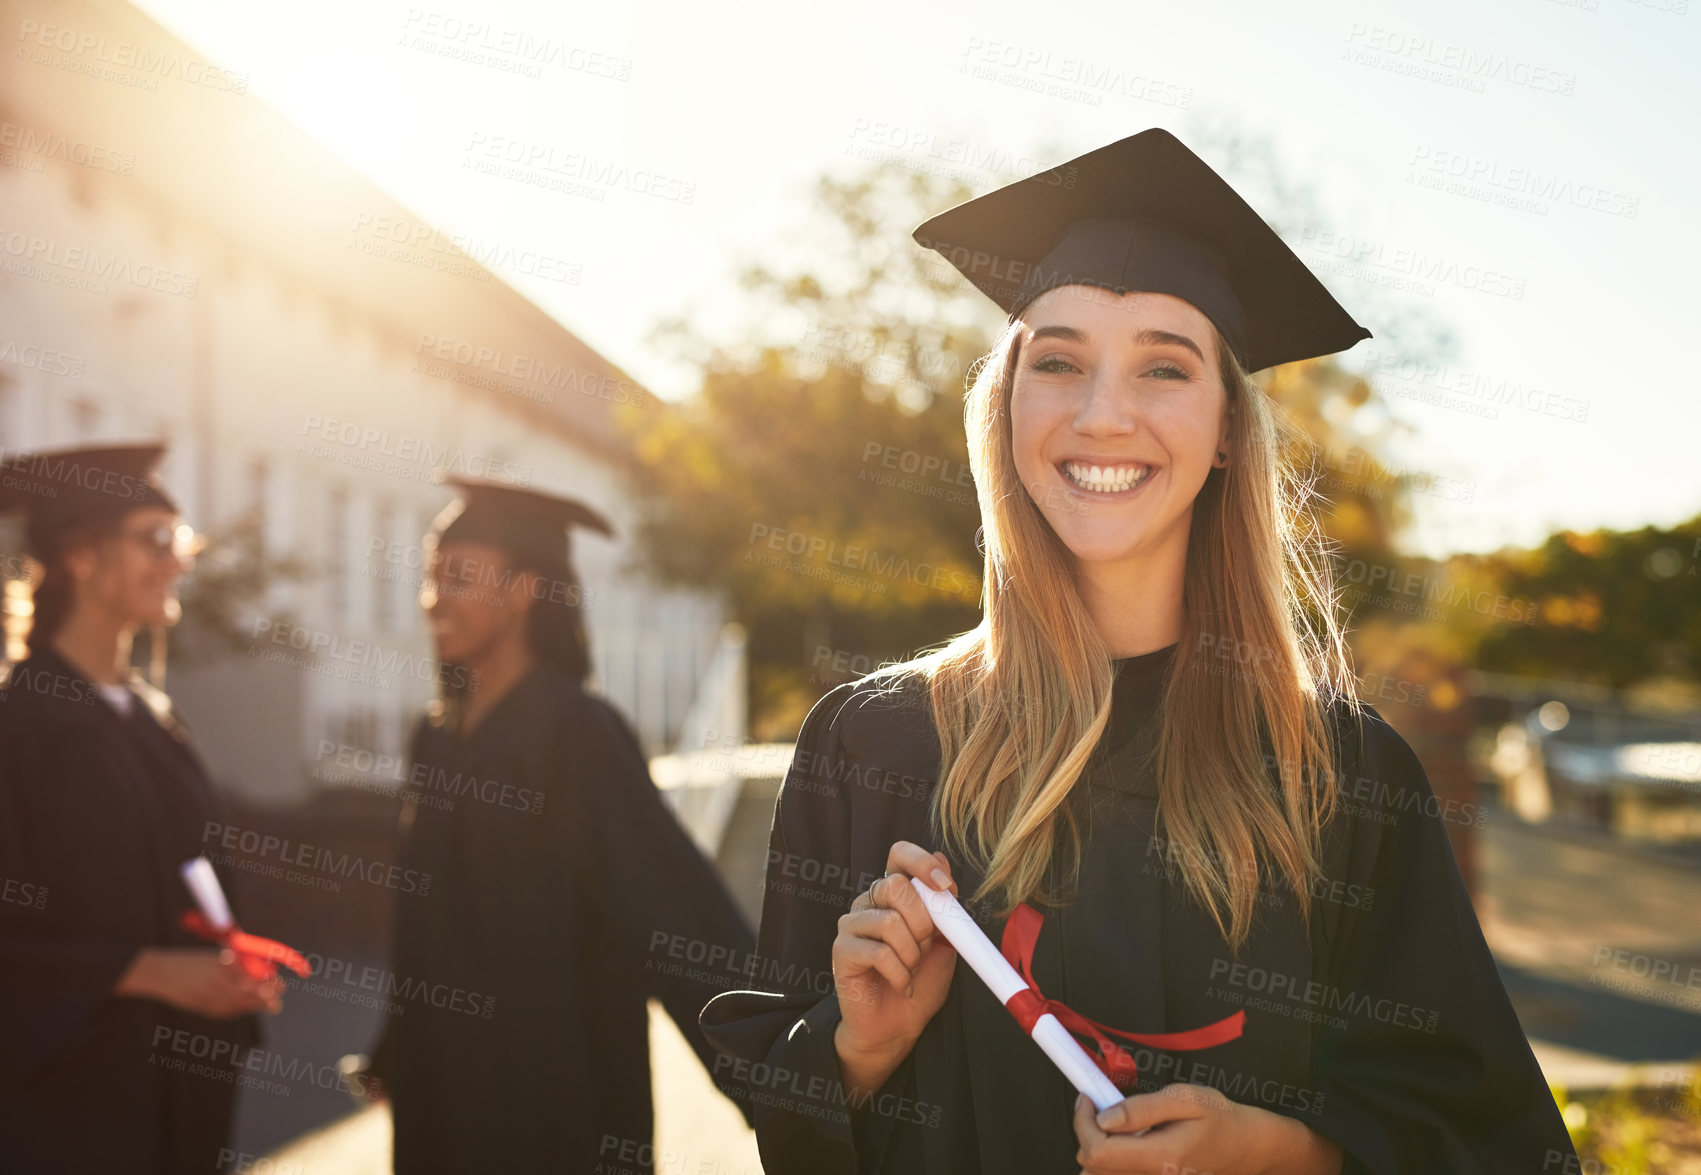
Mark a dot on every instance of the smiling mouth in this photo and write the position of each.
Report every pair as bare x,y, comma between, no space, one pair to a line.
1105,479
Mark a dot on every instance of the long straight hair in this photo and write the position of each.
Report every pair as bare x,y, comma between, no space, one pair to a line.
1244,759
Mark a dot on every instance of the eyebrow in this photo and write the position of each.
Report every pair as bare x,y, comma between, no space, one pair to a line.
1147,337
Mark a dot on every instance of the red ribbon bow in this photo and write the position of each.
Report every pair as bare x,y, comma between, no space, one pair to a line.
1021,932
260,957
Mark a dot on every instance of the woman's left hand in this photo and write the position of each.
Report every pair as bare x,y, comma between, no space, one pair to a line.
1197,1128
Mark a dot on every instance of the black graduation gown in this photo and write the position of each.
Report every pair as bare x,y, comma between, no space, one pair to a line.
97,811
562,894
1389,1031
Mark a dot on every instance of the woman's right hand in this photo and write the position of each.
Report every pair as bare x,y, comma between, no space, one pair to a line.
208,982
891,967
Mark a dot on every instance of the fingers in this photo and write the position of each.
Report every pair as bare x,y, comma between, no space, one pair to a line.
888,929
893,928
915,861
907,860
1172,1103
271,994
899,906
1086,1124
1101,1151
244,992
868,954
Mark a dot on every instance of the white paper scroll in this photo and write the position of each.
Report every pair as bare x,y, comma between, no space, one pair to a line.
995,971
204,885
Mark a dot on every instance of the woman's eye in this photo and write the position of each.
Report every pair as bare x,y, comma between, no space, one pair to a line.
1049,365
1057,365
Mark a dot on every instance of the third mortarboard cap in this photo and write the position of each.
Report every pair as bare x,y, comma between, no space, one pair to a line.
524,522
60,490
1146,213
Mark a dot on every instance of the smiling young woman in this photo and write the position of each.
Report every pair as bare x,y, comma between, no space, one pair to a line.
102,797
1133,767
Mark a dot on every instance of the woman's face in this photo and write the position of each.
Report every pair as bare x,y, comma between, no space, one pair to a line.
473,601
1128,384
131,574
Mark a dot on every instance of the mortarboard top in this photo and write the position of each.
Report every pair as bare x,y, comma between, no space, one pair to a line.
523,522
1146,213
62,489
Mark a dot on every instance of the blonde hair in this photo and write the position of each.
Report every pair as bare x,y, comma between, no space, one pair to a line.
1021,701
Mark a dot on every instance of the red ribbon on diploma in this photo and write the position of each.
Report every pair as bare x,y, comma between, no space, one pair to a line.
260,957
1021,932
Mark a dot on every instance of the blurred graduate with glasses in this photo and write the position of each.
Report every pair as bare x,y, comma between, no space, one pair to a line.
120,1026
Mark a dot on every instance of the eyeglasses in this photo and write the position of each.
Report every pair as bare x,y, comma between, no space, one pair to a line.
179,542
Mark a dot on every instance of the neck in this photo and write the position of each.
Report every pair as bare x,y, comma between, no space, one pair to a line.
1136,604
96,645
494,673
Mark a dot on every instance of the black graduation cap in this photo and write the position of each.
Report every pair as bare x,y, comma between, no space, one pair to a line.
1146,213
533,527
61,490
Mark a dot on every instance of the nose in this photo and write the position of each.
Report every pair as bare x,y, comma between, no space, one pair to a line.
1109,408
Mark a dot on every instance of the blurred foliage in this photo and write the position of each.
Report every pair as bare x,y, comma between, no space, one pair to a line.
232,580
1616,608
1636,1130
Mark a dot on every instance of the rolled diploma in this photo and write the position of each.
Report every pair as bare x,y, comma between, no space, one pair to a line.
995,971
204,886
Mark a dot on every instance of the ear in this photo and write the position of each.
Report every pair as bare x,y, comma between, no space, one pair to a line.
80,560
523,593
1221,457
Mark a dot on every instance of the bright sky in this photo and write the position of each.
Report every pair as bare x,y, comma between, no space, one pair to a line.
1571,403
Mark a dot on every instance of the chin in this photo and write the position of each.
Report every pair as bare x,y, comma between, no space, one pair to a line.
1107,546
158,612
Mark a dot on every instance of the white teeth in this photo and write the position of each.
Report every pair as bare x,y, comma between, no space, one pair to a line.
1105,479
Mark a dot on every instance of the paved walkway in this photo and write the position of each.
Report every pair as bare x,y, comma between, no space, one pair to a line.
1599,943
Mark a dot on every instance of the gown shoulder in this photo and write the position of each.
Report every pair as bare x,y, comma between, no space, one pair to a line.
877,732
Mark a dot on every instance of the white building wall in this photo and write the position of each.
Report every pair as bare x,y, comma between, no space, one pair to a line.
243,376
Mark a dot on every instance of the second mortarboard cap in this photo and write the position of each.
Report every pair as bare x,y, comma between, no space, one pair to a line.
1146,213
62,490
533,527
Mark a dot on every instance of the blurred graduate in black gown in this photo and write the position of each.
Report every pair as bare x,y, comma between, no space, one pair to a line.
564,893
118,1026
1146,767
